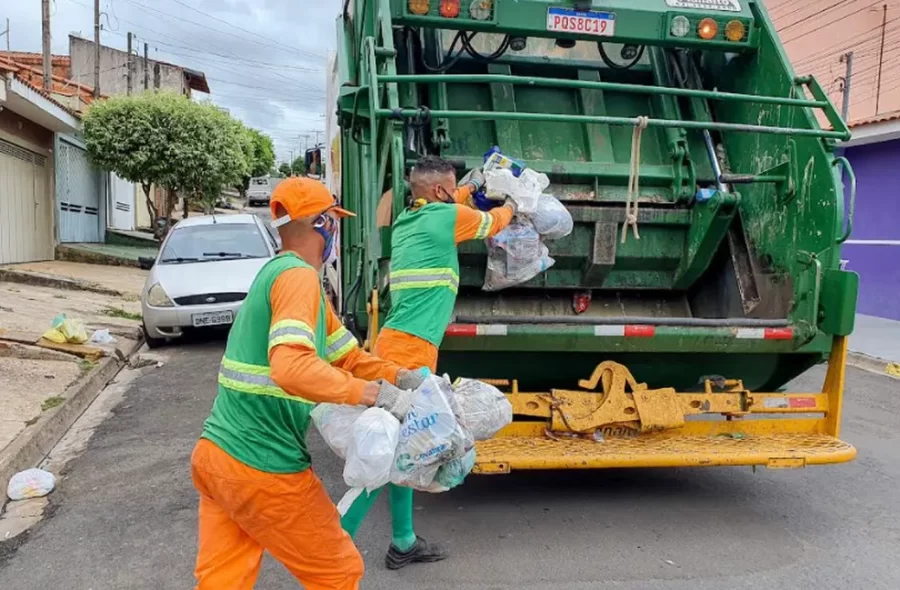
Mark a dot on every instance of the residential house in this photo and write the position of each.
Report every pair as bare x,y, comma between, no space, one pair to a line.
817,38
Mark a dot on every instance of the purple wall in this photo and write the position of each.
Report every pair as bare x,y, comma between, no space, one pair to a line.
877,217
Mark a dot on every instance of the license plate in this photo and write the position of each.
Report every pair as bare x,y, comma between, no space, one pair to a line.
212,318
598,24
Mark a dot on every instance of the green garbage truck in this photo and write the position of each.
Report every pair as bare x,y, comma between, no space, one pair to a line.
709,202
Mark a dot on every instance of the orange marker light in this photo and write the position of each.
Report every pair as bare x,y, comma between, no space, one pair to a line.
419,6
735,31
449,8
708,29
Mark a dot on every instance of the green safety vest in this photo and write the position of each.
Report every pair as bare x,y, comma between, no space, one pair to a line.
253,419
424,277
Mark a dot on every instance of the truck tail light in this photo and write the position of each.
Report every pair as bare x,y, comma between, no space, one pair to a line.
708,29
449,8
481,9
735,31
419,6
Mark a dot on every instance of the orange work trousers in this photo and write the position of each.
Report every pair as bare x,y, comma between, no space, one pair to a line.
244,511
408,351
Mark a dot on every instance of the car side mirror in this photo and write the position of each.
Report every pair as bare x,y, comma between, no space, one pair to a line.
146,262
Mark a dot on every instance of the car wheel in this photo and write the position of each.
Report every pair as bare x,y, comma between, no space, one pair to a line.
151,341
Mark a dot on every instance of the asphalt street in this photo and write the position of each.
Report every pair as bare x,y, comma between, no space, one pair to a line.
124,514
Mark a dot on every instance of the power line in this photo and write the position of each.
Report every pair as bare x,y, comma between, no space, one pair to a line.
802,19
821,26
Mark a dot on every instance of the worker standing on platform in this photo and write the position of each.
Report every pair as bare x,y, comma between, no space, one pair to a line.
424,280
286,352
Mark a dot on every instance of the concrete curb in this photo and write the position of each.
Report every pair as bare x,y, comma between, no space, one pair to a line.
41,280
76,255
873,365
39,439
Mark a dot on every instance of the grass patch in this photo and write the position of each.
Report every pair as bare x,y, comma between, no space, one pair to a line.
86,366
59,296
118,312
52,402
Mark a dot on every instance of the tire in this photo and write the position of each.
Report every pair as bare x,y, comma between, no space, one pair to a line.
151,341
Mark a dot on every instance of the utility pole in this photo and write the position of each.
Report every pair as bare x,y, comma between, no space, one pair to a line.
96,48
156,75
146,70
130,75
45,30
292,162
847,58
880,61
6,32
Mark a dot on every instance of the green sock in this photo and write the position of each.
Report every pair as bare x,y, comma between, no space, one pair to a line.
352,520
403,535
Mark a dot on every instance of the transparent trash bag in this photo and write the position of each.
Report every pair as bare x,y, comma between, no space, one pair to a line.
484,410
430,435
515,256
551,219
525,190
335,423
31,483
452,474
370,455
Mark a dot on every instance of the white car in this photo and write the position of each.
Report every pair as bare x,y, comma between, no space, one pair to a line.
202,274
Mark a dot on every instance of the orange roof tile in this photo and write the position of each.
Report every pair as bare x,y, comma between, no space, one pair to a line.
882,118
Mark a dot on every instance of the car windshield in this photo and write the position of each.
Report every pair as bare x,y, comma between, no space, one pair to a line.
218,241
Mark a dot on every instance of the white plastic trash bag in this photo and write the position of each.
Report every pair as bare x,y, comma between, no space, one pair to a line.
525,190
102,337
430,435
370,455
484,410
551,219
31,483
515,256
335,423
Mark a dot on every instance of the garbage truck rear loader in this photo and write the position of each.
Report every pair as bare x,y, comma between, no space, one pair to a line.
679,121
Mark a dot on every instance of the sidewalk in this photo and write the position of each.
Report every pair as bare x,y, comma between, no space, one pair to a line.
45,386
875,344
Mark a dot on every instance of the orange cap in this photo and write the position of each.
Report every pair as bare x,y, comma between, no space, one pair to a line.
304,197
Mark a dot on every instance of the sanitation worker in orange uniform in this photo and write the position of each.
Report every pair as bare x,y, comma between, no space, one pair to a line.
424,279
286,352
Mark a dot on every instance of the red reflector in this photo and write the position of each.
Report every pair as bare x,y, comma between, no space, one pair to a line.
449,8
779,334
640,331
461,330
802,402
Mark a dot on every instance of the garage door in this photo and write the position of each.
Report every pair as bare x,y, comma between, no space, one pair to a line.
26,223
78,195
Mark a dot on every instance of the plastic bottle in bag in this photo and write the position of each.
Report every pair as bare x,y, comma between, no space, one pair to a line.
551,219
515,256
484,410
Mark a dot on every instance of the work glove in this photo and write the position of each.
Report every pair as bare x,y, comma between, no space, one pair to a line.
407,379
393,399
475,178
509,202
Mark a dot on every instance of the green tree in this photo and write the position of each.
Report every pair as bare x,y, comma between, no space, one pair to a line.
285,169
261,157
299,166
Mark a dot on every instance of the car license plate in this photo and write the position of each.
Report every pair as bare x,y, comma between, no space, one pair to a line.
212,318
599,24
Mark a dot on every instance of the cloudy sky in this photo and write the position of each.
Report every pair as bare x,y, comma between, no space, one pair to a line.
264,59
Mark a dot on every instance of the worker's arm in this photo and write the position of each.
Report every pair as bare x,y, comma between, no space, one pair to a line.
344,352
463,194
295,366
472,224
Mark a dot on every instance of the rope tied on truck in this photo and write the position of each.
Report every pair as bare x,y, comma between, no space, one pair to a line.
634,179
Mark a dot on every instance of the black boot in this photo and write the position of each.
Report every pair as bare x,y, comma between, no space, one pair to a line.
421,552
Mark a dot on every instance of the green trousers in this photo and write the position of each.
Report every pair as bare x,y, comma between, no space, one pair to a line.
402,534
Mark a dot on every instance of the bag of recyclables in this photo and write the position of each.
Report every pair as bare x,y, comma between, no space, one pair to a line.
525,189
551,219
431,435
335,423
515,256
370,454
484,410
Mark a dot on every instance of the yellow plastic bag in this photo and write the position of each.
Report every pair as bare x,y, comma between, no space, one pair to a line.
65,330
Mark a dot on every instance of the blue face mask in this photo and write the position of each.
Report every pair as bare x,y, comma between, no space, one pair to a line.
326,227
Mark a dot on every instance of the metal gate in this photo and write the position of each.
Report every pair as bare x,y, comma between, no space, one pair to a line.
26,225
78,191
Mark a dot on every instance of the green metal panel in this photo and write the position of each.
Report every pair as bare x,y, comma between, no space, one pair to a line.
767,247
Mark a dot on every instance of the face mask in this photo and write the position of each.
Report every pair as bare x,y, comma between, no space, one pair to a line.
326,228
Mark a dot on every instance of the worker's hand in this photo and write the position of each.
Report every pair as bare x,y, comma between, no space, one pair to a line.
512,205
407,379
370,393
393,399
475,178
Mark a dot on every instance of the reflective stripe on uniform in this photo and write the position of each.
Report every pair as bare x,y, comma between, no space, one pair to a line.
252,379
291,332
339,343
424,279
485,227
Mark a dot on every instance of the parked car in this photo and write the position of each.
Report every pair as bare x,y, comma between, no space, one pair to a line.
202,274
259,192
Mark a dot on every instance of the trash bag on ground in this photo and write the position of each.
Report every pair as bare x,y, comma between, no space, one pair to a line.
64,329
370,454
31,483
102,337
515,256
484,410
431,435
335,423
525,190
551,219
